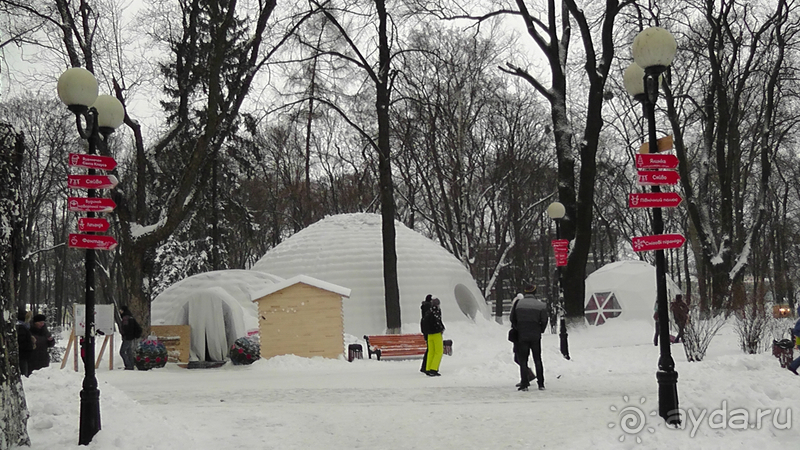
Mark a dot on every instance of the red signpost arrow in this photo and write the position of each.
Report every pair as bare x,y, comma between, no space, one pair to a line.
90,204
92,181
91,224
92,241
654,200
658,177
656,161
92,161
657,242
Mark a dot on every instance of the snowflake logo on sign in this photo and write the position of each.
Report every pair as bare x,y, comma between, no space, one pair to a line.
637,245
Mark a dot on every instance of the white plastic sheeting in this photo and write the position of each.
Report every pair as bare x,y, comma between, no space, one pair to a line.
216,305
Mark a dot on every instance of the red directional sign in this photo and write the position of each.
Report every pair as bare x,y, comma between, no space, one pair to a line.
654,200
92,161
91,224
92,181
92,241
656,161
561,251
657,242
90,204
656,177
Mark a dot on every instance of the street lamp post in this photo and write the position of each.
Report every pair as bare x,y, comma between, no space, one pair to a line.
653,52
95,117
556,211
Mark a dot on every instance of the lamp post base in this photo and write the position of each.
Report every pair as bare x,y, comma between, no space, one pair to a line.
668,396
90,415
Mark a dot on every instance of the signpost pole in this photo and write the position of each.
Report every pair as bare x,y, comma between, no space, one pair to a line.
90,395
667,376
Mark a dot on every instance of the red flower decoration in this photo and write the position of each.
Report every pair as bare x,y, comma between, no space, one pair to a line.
241,350
138,358
158,359
147,359
249,356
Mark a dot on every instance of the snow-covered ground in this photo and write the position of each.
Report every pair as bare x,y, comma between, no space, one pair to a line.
604,398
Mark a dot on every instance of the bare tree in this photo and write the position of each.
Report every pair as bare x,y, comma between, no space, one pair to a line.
735,58
13,410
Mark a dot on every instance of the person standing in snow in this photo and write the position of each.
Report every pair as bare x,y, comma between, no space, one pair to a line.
796,335
26,343
529,317
433,326
680,312
40,357
424,308
130,330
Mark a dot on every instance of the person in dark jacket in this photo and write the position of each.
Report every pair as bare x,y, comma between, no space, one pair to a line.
26,343
529,318
680,312
424,308
433,326
796,336
40,357
130,330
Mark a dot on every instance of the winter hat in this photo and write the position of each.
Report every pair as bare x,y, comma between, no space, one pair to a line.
39,318
123,310
530,289
428,298
435,301
21,316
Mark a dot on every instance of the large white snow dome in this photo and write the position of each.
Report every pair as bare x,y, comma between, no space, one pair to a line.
347,250
623,290
217,305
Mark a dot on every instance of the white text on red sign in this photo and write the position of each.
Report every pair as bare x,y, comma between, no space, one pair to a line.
653,178
95,225
92,241
92,161
656,161
93,204
92,181
657,242
654,200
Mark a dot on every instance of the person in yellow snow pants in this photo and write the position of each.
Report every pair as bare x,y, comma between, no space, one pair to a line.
435,352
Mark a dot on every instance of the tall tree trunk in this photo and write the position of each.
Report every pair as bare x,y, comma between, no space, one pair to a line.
13,409
390,285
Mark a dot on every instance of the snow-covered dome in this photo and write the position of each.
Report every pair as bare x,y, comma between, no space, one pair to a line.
217,305
623,290
347,250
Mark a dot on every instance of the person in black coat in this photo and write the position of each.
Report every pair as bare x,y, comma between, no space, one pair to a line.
424,308
26,343
529,318
433,326
130,330
40,357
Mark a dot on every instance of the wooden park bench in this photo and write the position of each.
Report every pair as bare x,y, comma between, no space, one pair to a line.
390,345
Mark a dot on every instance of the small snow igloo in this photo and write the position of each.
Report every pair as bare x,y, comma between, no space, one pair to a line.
623,290
216,305
347,250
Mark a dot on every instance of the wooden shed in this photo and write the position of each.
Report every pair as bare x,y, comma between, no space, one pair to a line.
301,316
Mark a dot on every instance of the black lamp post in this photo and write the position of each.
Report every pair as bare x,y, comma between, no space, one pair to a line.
556,211
653,52
95,117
